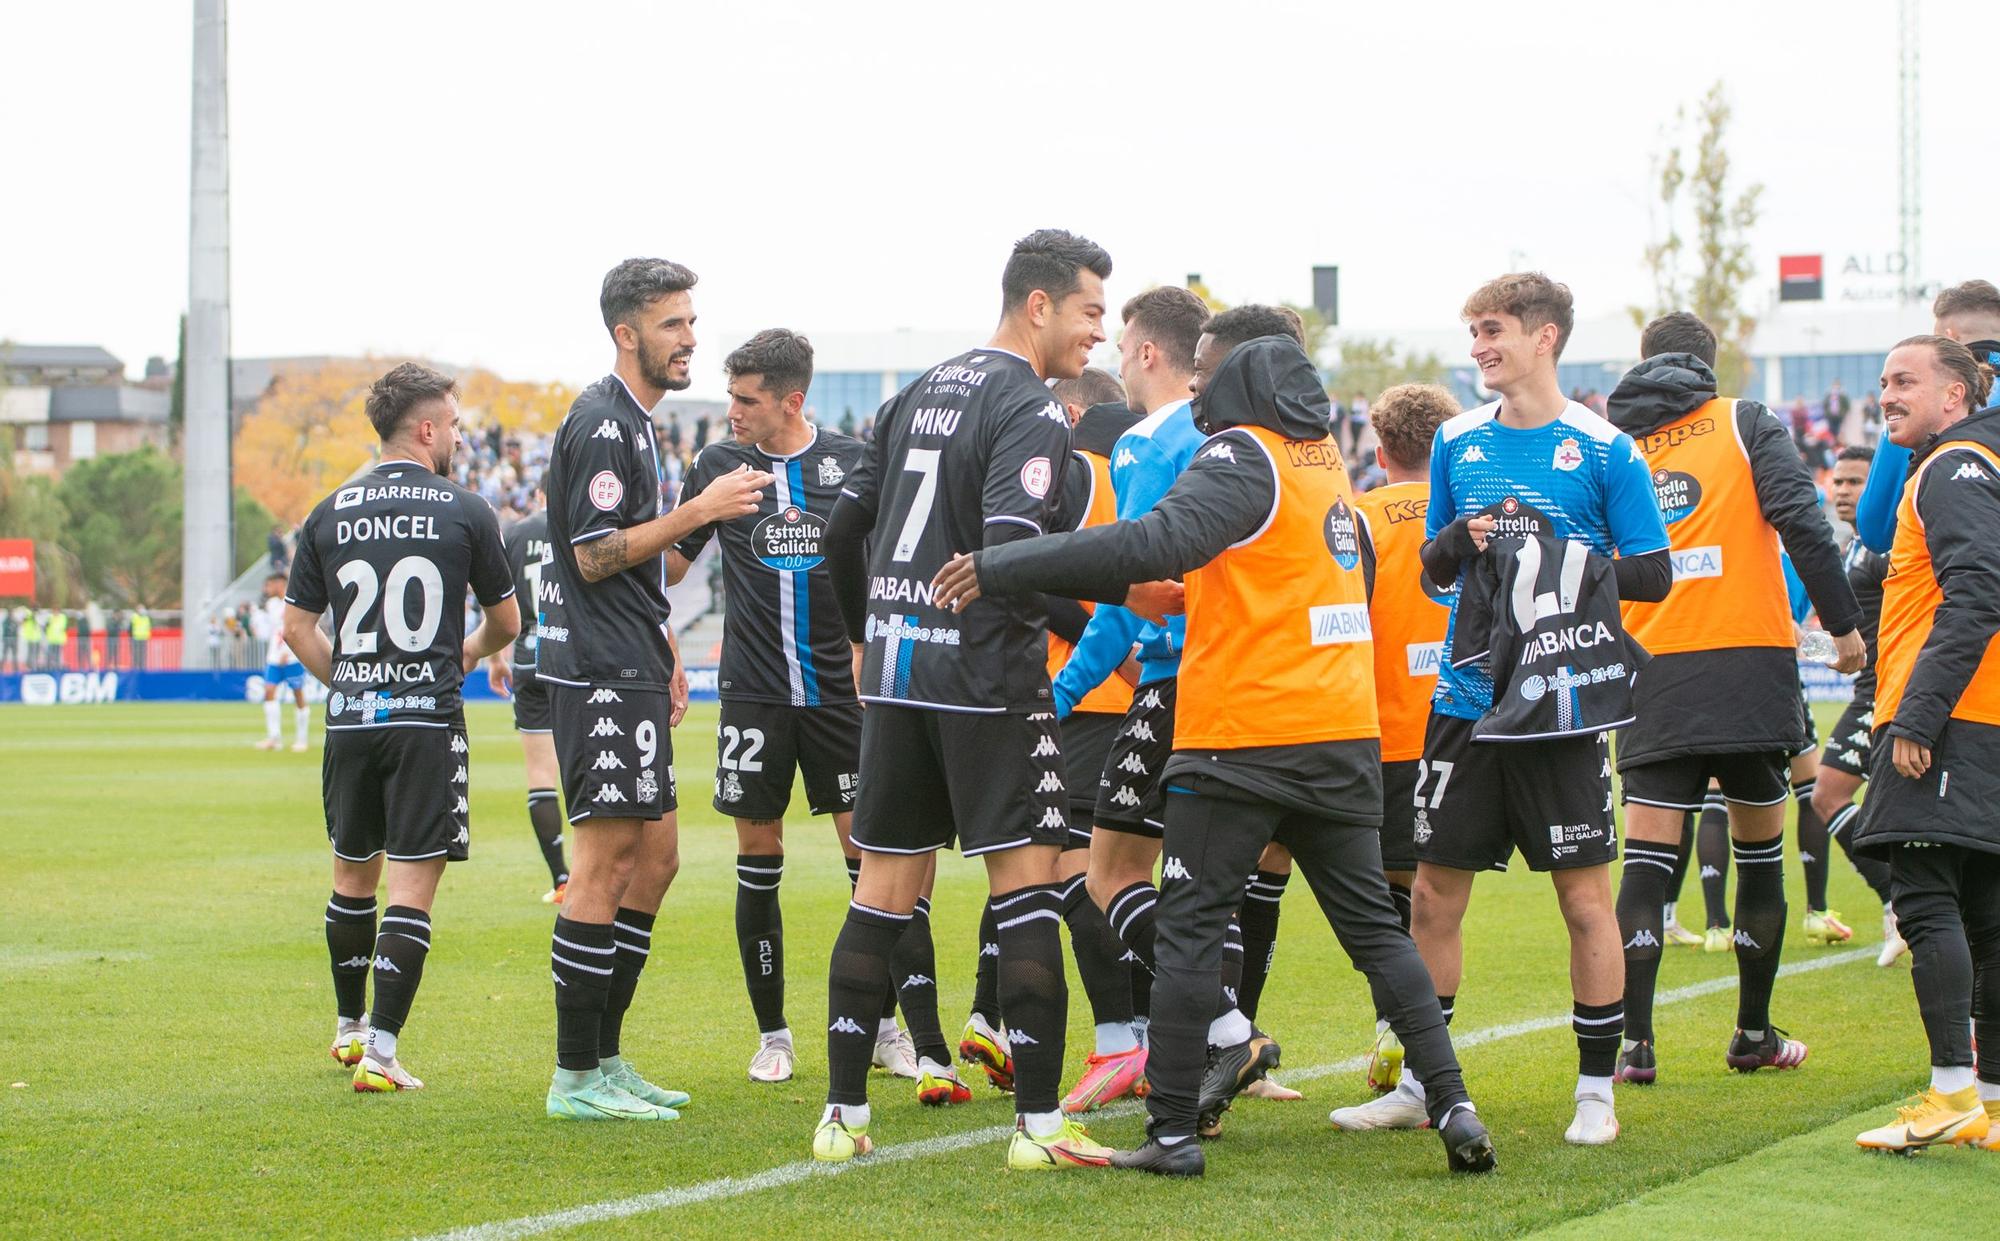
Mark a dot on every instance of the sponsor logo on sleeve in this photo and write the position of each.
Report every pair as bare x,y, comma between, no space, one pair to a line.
1692,562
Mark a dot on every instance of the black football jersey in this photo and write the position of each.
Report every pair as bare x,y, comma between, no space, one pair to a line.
603,475
1540,614
1866,571
392,553
528,554
977,442
782,639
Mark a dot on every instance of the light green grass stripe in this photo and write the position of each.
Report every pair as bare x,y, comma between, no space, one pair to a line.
1816,1184
792,1173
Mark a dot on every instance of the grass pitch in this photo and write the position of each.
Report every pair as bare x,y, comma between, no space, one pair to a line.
165,1010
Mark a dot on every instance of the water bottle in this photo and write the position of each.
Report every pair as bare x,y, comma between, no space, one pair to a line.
1816,646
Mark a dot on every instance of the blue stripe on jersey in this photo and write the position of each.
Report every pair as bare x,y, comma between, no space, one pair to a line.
905,650
801,586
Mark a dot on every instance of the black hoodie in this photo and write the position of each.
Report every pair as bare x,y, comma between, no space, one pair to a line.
1668,387
1220,499
1957,508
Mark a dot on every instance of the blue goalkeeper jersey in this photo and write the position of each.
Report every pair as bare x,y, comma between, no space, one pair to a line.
1577,478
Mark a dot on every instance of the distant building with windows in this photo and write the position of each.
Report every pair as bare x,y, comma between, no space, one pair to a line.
61,404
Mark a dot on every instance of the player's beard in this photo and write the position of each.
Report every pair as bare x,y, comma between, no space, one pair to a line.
657,369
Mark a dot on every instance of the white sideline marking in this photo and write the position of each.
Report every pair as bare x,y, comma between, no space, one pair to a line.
793,1173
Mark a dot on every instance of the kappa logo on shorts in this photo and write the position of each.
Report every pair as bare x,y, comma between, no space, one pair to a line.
607,761
1041,717
606,727
1644,939
457,744
609,793
1174,869
602,694
1152,700
1124,796
1858,737
845,1025
1867,721
1852,756
1044,748
1134,764
1141,730
1051,783
729,788
1053,818
464,837
989,950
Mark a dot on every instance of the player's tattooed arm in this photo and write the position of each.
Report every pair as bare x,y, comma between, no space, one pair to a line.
731,496
600,558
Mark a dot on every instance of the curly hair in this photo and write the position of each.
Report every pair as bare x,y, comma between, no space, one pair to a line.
1406,418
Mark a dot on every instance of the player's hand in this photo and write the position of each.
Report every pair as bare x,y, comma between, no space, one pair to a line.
1156,601
1480,527
957,584
677,696
860,653
1128,671
1913,758
500,677
733,495
1849,651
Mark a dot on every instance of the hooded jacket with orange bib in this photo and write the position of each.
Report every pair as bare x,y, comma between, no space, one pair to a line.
1734,493
1938,673
1276,692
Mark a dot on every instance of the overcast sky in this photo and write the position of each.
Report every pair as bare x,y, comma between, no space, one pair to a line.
453,179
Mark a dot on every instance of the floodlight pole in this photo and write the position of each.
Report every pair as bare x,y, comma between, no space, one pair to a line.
207,549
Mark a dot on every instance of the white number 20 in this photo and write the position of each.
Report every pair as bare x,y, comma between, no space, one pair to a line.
359,576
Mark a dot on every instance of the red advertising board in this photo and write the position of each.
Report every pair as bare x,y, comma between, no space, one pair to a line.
17,568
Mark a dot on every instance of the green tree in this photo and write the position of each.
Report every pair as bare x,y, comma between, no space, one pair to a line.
1699,195
114,523
29,509
1368,366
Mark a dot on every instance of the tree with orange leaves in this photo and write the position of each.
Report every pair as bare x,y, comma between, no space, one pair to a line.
310,430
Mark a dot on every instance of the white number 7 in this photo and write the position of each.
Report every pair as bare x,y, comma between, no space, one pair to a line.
925,462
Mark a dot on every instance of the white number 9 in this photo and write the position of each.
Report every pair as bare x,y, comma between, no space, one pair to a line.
648,738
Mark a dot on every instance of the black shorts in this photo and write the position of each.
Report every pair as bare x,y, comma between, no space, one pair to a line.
1086,744
613,748
760,745
531,702
992,781
399,791
1759,779
1400,814
1812,725
1852,736
1131,797
1482,800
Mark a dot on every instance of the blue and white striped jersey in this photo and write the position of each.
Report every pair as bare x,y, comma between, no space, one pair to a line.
1577,477
782,639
